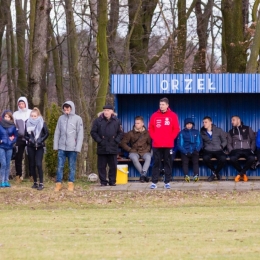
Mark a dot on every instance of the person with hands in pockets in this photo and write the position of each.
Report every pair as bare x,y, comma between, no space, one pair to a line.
189,143
68,140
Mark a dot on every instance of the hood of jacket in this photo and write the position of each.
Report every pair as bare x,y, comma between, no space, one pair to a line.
72,105
24,99
189,120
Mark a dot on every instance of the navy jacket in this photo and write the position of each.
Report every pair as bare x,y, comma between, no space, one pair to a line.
189,141
5,133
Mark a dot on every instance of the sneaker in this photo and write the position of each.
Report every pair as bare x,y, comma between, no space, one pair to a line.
153,186
167,186
195,178
245,178
237,179
142,178
211,177
7,184
35,185
41,187
187,178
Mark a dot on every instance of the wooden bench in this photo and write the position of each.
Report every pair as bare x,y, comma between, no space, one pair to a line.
178,178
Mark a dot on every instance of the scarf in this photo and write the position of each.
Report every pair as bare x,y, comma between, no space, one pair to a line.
35,126
6,124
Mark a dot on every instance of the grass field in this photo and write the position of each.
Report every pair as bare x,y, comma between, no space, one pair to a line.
128,225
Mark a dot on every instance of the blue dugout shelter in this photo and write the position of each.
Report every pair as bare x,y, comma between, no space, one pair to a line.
219,96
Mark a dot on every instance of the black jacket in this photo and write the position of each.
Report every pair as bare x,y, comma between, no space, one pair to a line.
31,142
107,133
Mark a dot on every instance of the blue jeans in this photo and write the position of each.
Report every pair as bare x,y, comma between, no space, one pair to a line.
72,158
5,159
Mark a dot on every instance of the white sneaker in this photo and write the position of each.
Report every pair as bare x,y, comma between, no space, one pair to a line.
153,186
167,186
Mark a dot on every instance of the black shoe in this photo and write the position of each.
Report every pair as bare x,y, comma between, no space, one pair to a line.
211,177
112,184
142,178
218,176
147,179
41,187
35,185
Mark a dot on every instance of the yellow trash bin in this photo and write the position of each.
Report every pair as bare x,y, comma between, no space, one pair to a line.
122,174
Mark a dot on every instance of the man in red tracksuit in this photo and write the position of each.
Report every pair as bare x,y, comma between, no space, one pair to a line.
163,129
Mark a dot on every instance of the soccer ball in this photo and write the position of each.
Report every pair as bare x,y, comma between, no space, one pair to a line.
93,177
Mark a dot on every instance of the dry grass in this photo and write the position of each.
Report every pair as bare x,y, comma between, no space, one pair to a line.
128,225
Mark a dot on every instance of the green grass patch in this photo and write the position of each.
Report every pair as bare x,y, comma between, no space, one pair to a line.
127,225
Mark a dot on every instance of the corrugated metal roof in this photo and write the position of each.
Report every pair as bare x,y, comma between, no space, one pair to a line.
184,83
218,106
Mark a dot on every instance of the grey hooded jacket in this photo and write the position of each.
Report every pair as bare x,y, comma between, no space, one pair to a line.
69,131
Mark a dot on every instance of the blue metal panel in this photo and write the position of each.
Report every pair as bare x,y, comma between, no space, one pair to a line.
220,107
185,83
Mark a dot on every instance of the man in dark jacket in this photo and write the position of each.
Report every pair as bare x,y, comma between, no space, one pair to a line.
241,143
214,141
138,143
189,143
107,132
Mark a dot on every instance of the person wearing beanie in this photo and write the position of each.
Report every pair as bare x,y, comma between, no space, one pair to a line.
189,143
8,137
107,132
20,118
214,143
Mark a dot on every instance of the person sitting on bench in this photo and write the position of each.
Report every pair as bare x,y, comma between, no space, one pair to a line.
241,143
138,143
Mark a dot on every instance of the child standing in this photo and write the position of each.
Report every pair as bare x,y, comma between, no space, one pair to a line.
189,143
36,132
8,136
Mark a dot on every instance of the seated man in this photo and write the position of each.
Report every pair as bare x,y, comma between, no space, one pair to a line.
214,141
138,143
241,143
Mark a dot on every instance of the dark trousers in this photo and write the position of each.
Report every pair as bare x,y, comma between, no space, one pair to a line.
236,154
19,158
158,155
103,161
221,160
194,157
258,155
35,161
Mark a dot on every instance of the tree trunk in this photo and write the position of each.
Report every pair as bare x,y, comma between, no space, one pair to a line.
199,64
57,68
20,38
140,20
233,41
103,55
3,21
253,62
39,50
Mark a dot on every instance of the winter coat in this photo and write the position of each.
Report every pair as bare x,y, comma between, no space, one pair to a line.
5,133
164,128
216,142
69,132
189,140
241,137
20,118
107,134
137,142
258,140
31,142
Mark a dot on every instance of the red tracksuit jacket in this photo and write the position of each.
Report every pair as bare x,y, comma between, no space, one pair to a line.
164,128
